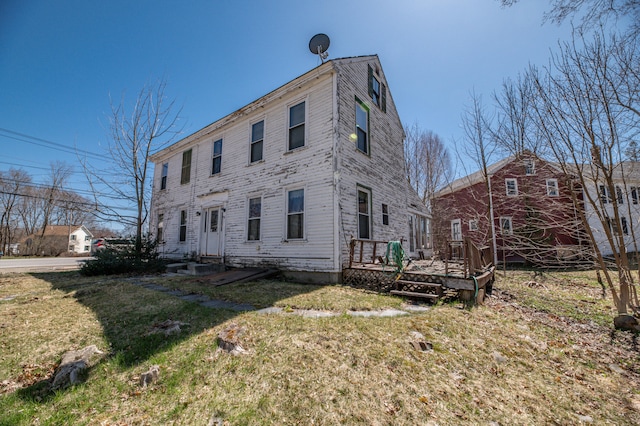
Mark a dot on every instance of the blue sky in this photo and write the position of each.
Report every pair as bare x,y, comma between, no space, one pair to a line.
61,61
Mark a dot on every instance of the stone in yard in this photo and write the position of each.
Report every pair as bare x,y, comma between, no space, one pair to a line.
627,323
228,339
72,366
167,327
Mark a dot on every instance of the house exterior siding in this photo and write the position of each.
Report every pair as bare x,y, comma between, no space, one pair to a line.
328,168
530,223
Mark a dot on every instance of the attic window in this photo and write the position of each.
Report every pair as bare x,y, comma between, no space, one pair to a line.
377,90
529,167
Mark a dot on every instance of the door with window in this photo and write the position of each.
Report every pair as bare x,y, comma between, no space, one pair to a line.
210,240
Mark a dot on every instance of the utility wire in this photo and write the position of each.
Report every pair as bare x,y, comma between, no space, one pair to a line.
47,143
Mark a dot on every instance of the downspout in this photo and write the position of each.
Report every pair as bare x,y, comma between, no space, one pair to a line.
493,224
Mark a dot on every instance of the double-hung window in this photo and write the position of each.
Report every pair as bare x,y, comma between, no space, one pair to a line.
183,225
619,195
163,178
605,197
296,126
364,213
634,194
216,160
362,127
295,214
506,226
473,225
552,187
512,187
529,167
160,227
456,230
377,90
253,222
257,138
385,214
185,177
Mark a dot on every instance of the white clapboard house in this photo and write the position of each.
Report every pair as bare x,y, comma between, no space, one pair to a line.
289,179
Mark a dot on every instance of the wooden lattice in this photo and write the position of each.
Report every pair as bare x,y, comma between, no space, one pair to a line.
373,280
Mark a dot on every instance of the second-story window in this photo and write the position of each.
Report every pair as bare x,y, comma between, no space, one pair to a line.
512,187
257,136
296,126
552,187
216,161
377,90
362,127
163,179
185,177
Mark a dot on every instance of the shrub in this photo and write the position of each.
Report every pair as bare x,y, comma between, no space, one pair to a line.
111,261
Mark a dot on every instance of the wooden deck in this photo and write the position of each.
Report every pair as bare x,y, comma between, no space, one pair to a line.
471,277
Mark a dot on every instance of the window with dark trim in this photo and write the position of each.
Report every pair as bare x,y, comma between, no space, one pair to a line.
506,226
605,197
160,227
385,214
619,195
257,138
377,90
364,214
183,225
253,222
163,179
296,126
362,127
216,159
295,214
185,177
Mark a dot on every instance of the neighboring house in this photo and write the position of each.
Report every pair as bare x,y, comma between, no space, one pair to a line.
290,178
623,196
58,239
529,208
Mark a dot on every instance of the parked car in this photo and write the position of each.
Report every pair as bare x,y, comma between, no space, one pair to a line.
97,244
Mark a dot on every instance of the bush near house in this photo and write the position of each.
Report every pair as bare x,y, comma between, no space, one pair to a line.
124,260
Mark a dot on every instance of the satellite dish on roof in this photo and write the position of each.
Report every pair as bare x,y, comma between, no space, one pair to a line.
318,45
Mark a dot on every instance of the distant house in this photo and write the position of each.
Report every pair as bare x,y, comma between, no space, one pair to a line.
525,202
623,196
56,240
290,178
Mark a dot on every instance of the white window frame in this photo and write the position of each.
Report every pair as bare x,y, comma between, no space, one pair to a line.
364,215
216,156
514,192
253,142
184,219
529,167
385,214
552,187
634,194
254,218
506,230
456,230
603,191
160,228
185,170
304,101
163,176
619,194
289,213
473,224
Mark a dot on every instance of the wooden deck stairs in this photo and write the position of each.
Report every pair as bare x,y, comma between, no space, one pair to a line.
423,290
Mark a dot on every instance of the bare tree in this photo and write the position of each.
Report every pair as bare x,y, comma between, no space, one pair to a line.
593,13
11,186
427,162
122,187
586,114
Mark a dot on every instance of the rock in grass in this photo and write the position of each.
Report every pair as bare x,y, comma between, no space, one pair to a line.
72,366
228,339
627,323
149,377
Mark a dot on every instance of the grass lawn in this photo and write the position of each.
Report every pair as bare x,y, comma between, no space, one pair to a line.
541,350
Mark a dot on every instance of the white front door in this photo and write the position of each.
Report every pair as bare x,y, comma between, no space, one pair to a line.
211,232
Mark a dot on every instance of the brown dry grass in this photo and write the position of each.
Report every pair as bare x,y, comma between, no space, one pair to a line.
541,351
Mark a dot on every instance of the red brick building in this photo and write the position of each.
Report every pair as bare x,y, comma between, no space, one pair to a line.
525,201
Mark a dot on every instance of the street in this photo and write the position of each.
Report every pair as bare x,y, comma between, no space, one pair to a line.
41,264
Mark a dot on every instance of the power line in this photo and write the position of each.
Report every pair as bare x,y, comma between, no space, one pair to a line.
47,143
